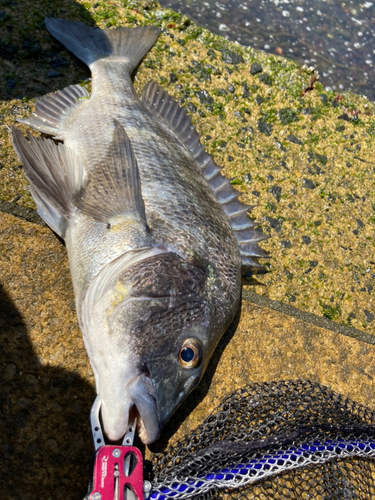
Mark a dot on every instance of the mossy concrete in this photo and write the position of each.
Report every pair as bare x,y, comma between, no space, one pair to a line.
303,157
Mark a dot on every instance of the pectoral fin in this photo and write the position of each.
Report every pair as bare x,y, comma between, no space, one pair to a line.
114,185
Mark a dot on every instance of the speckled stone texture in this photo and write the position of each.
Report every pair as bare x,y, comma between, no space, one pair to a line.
304,157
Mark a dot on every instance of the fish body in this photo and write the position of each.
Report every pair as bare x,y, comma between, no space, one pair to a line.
152,229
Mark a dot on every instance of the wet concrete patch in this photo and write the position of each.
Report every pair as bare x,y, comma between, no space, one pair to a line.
334,37
23,213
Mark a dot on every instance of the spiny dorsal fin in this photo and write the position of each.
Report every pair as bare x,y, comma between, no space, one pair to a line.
164,107
54,174
92,44
52,108
114,186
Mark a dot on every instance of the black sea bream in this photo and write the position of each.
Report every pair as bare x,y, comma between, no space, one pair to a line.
154,233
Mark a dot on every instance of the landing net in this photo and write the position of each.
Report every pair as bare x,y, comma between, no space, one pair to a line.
277,440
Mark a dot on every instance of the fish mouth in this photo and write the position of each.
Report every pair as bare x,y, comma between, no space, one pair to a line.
137,400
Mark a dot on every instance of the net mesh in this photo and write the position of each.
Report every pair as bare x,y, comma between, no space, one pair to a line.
276,440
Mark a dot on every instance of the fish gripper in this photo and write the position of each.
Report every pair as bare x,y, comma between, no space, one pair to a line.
116,471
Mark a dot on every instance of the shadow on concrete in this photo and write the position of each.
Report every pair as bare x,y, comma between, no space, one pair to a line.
44,427
32,62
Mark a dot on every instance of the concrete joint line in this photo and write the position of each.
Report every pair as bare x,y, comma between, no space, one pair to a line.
308,317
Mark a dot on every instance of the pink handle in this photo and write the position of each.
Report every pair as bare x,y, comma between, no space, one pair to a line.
117,468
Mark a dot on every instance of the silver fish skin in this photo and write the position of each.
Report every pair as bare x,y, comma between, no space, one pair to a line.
154,253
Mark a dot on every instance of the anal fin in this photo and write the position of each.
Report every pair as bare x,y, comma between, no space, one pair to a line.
113,188
52,108
165,108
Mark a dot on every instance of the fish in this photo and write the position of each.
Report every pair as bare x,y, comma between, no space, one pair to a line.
155,235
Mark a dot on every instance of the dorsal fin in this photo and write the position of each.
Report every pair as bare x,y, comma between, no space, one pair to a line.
165,108
52,108
54,174
114,186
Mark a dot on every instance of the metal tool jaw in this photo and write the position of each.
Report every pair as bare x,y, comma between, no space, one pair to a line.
116,471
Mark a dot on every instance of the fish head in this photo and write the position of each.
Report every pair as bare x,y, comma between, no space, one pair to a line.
144,370
149,343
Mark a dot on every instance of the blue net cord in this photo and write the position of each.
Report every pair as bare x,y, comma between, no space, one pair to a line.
269,464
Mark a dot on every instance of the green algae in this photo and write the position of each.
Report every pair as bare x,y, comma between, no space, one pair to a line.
301,157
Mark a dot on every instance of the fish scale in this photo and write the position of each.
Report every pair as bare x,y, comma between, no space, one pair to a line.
154,233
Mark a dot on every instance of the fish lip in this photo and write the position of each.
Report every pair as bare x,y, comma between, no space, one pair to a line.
148,432
138,401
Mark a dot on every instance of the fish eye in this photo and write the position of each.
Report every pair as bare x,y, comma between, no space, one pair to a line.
190,354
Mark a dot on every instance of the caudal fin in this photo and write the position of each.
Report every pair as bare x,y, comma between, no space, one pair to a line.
91,44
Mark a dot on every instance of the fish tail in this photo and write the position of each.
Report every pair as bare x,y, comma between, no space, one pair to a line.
91,44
